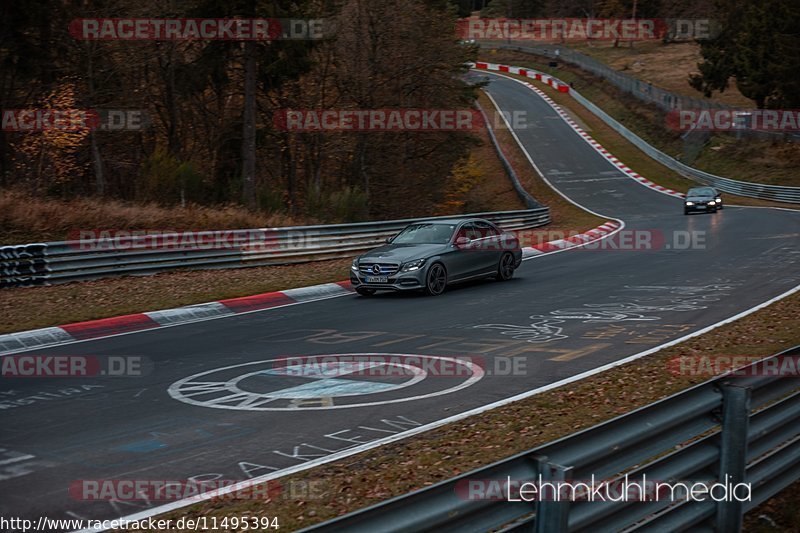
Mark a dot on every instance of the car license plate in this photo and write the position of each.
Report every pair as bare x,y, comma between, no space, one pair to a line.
377,279
701,206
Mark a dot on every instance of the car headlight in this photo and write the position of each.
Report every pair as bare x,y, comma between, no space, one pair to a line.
689,203
354,266
412,265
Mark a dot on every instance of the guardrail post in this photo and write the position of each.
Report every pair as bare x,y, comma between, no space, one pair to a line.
551,514
733,453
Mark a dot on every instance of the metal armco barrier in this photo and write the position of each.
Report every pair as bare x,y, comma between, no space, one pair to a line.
745,428
742,188
530,201
23,263
100,257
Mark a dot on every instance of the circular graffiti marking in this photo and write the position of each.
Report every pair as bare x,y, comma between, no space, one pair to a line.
331,381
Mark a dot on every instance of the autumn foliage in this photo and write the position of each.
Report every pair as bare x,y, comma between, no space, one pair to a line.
192,150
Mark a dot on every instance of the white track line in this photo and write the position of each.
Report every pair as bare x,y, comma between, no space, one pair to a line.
596,146
244,485
564,196
530,159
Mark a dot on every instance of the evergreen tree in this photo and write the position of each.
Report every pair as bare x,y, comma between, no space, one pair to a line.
757,45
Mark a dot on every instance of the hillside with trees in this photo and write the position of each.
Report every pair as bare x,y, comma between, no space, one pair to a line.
209,135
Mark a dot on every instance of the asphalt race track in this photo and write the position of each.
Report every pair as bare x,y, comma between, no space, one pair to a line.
563,313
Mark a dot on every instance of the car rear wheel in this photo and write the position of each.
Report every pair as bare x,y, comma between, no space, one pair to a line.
365,292
505,270
436,280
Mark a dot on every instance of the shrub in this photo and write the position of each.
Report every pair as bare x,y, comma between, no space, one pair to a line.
168,181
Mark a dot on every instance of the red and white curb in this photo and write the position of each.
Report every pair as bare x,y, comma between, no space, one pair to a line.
565,88
106,327
574,240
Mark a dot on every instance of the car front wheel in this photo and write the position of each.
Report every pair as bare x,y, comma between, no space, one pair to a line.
436,280
505,270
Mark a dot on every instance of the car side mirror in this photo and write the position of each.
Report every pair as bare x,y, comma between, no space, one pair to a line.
389,240
462,241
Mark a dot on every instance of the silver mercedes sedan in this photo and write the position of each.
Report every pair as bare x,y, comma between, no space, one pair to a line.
431,255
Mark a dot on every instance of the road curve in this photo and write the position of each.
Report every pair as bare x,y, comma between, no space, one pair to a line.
563,314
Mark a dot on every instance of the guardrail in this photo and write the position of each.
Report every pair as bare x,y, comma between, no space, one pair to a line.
530,201
99,256
742,188
746,428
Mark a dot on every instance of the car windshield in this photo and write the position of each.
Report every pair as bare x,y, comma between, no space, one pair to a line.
700,191
425,234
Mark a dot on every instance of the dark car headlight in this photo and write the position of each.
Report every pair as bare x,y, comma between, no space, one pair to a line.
412,265
689,203
354,266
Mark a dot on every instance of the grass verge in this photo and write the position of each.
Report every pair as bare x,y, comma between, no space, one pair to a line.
400,467
667,66
26,218
89,300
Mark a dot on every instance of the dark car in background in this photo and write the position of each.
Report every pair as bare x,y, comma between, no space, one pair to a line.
431,255
702,199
